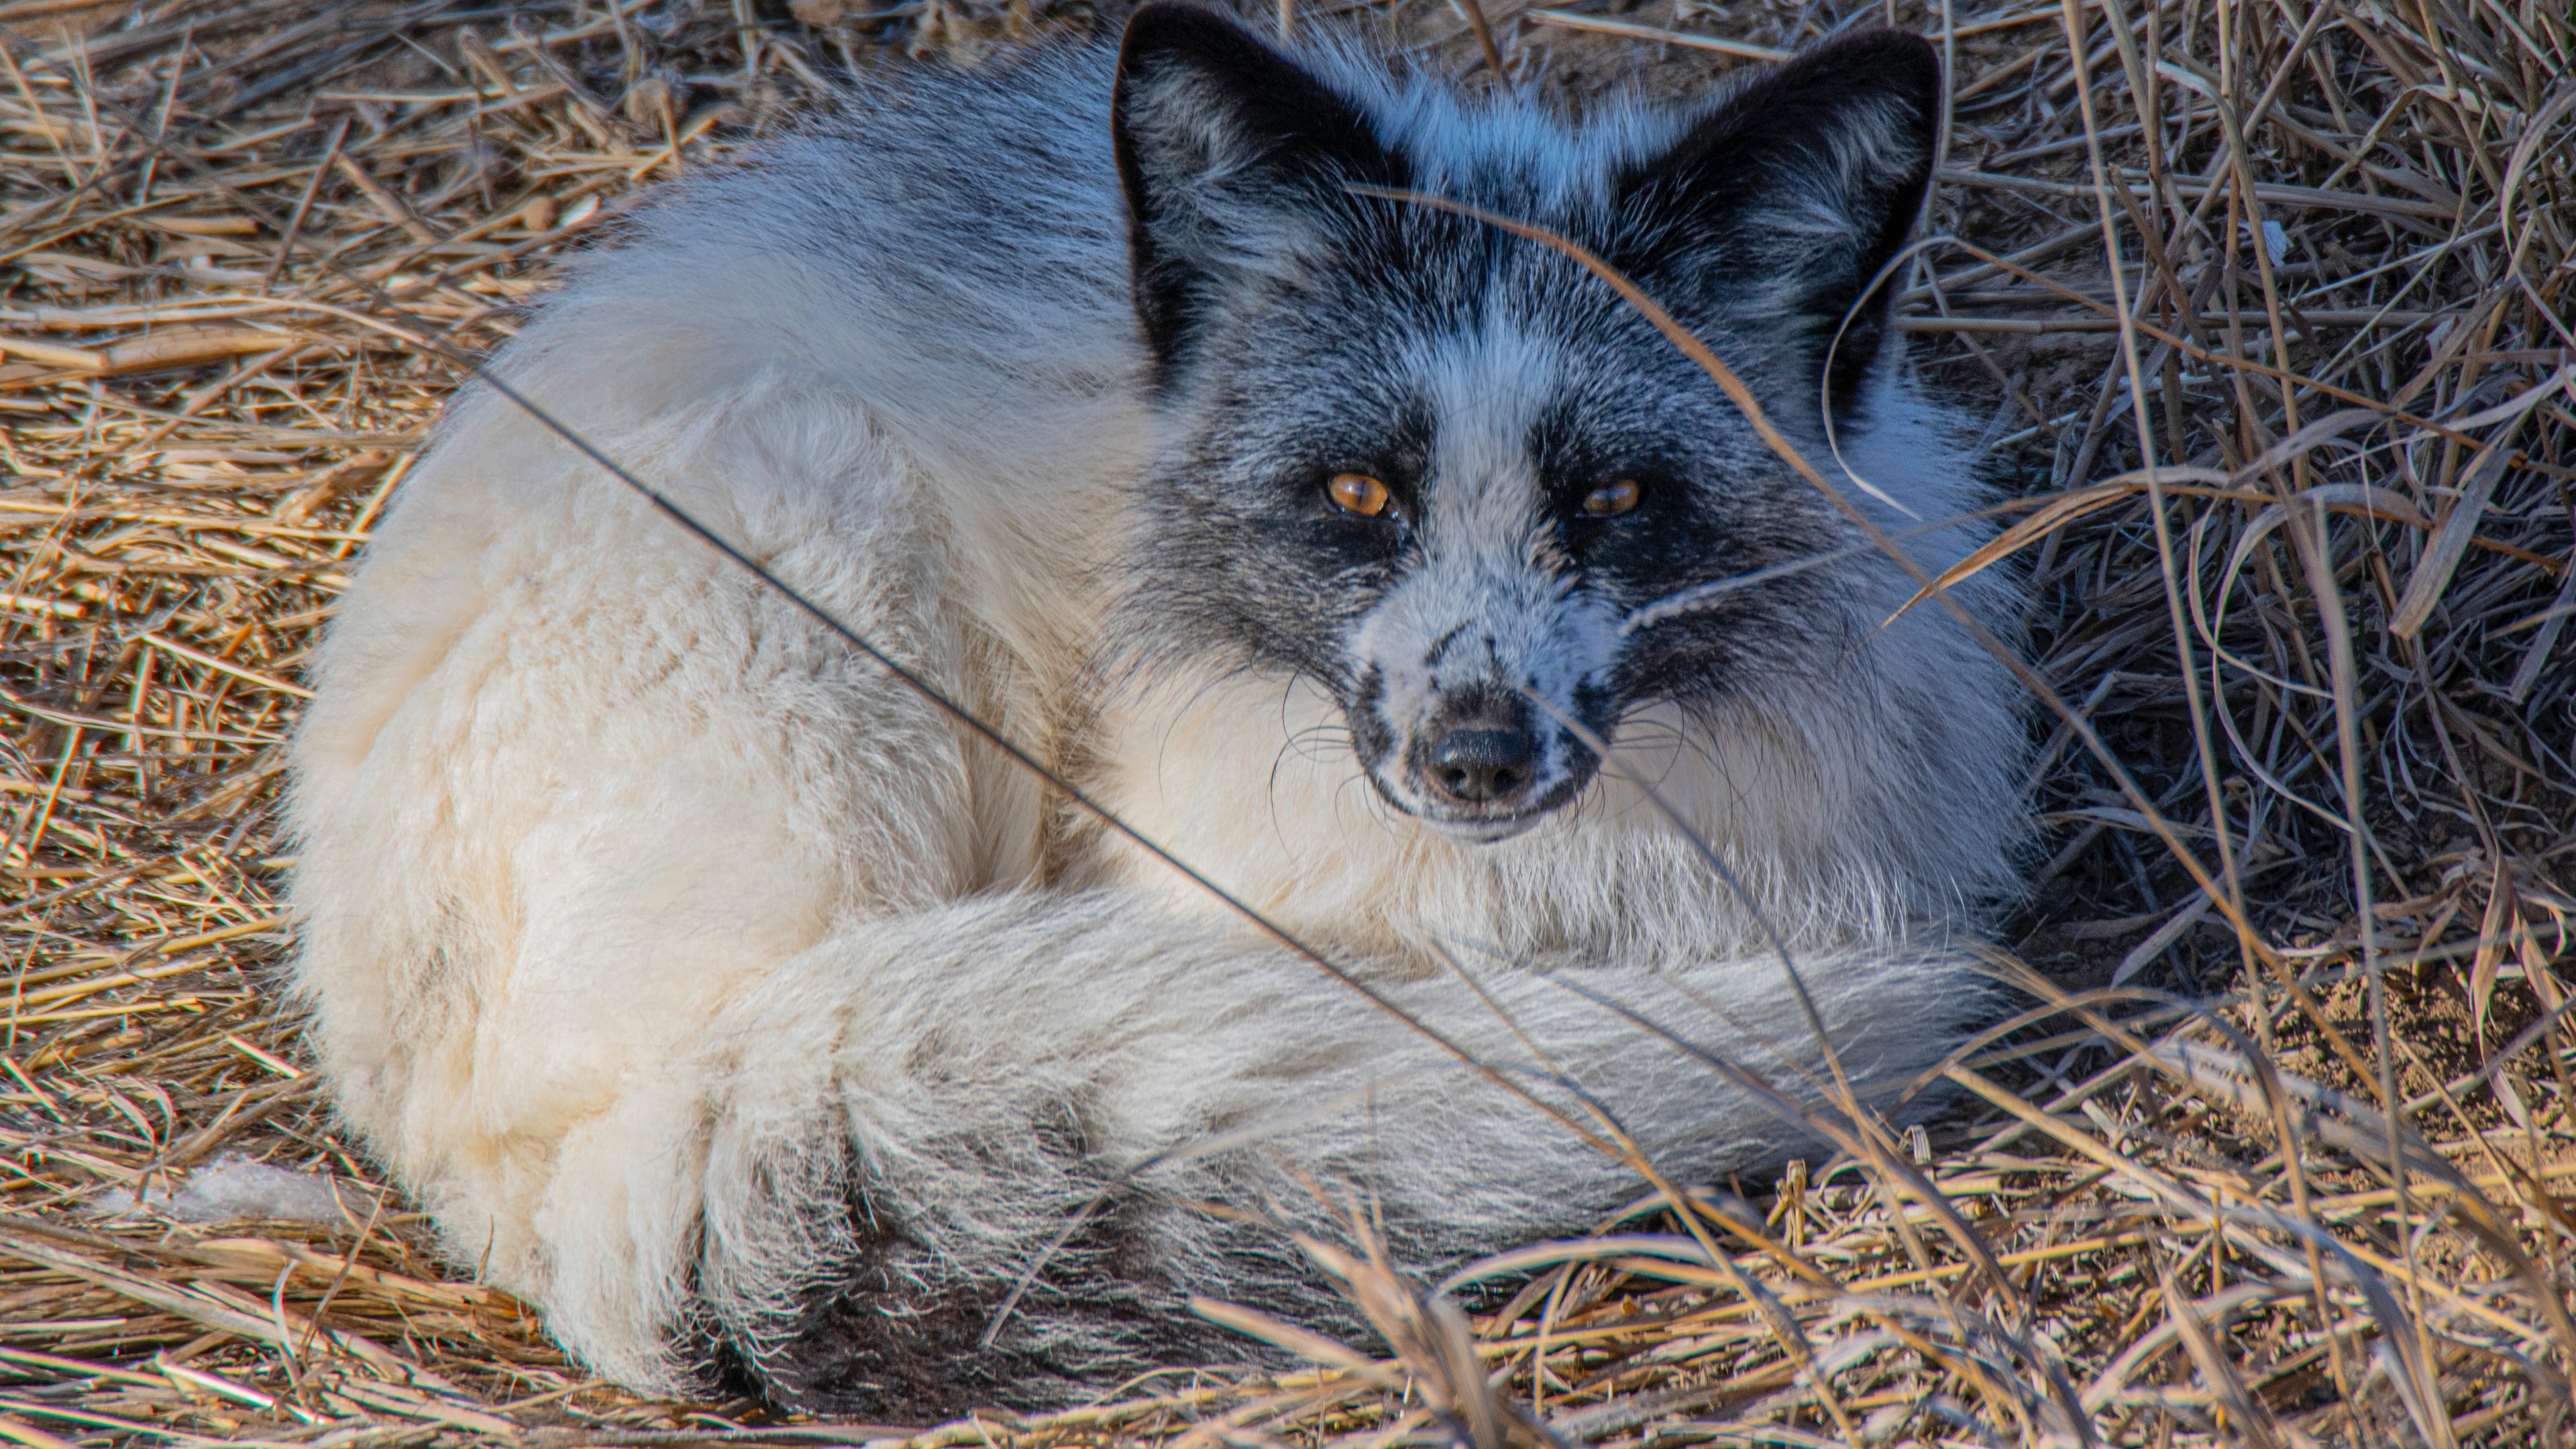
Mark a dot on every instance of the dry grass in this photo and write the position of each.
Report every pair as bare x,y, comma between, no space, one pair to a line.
2177,1209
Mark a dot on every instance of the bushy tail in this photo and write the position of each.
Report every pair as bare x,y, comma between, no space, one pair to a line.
1023,1103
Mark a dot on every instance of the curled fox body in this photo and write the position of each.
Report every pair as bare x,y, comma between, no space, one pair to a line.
728,999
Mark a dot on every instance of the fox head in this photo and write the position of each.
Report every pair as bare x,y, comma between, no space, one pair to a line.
1433,467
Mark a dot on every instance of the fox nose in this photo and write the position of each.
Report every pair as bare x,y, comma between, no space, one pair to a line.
1477,766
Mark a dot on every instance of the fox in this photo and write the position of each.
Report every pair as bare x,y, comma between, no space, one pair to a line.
772,1030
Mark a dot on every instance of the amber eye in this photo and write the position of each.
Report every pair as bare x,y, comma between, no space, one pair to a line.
1612,498
1357,493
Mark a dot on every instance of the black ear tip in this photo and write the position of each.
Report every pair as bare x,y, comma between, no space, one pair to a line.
1898,60
1878,41
1168,25
1915,55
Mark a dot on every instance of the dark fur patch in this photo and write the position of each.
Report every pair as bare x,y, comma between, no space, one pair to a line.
1217,134
877,1344
897,1334
1845,129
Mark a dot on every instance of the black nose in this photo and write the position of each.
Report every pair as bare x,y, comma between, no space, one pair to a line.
1479,766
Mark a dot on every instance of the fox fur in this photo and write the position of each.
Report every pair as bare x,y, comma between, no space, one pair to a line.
724,997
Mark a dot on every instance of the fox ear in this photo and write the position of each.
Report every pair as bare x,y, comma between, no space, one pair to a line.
1233,158
1799,187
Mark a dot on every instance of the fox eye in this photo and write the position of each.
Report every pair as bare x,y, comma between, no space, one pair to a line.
1357,493
1612,498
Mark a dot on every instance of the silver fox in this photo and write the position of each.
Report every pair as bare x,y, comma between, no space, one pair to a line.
727,999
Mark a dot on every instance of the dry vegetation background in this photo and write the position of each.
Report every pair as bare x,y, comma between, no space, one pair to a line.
2286,1170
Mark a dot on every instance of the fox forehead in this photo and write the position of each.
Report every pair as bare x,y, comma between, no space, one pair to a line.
1486,393
1450,355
